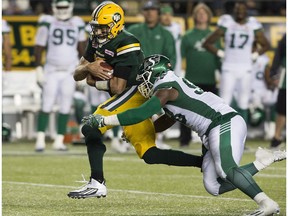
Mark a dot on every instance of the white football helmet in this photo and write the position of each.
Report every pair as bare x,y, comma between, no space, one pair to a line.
62,9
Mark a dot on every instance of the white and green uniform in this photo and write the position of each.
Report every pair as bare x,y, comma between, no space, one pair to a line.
61,39
222,130
237,63
261,96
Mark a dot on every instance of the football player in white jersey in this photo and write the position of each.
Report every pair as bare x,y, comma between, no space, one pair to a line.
222,130
239,33
63,37
6,46
261,97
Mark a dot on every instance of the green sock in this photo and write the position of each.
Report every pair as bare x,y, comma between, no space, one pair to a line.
273,113
227,186
243,180
244,114
79,109
115,131
62,123
96,150
43,119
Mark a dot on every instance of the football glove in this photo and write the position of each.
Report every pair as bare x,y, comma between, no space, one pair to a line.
94,120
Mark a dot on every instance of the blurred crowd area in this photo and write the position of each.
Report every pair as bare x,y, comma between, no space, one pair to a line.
132,7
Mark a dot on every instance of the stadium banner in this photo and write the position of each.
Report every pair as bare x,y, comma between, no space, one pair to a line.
23,31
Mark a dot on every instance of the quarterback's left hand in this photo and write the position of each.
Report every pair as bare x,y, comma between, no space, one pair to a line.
94,120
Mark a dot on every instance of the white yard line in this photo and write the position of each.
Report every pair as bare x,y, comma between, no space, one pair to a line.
129,191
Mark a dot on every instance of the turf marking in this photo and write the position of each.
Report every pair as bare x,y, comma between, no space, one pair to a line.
130,191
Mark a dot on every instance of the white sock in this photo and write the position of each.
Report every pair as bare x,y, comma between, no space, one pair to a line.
59,139
260,197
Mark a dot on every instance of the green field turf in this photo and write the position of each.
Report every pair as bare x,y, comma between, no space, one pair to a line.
38,183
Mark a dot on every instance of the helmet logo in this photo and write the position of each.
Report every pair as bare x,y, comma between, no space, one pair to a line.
116,17
151,62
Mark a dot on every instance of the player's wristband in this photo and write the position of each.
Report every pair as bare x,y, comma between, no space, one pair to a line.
111,120
220,53
102,85
255,55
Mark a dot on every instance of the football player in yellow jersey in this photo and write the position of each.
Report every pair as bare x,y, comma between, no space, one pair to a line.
109,42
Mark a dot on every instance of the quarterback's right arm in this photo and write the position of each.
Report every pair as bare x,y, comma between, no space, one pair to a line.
93,68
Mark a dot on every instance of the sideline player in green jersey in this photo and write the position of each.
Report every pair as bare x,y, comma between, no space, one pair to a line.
222,130
121,50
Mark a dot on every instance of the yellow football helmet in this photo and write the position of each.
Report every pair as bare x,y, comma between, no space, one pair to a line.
107,21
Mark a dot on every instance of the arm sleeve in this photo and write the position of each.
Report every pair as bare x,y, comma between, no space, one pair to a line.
136,115
42,35
89,53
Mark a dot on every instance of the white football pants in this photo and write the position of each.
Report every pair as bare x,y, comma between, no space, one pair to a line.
225,144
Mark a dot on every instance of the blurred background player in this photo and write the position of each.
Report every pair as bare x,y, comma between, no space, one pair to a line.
166,20
277,78
262,99
154,38
6,46
65,37
196,57
239,32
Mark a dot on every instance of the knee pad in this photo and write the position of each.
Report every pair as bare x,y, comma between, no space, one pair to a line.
92,135
212,186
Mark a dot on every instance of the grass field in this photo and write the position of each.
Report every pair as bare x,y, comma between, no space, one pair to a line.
38,183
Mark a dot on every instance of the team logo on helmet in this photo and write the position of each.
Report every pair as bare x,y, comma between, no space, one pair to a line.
116,17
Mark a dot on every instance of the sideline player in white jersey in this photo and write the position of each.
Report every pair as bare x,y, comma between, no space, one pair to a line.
239,33
261,97
222,130
63,37
6,46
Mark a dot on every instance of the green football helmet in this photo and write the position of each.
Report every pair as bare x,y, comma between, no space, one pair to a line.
153,68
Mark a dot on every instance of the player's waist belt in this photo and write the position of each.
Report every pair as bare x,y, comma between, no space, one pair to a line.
220,120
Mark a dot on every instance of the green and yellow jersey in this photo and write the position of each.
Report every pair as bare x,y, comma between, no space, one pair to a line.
123,53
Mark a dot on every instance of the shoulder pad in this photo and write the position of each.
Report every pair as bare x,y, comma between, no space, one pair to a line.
225,20
128,44
253,22
78,21
45,19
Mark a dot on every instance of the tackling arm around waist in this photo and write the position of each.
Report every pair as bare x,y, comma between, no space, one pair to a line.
135,115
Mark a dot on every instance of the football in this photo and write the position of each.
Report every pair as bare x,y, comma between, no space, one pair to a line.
106,65
91,80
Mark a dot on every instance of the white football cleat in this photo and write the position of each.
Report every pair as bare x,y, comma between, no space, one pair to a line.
266,207
265,157
58,144
40,142
93,188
